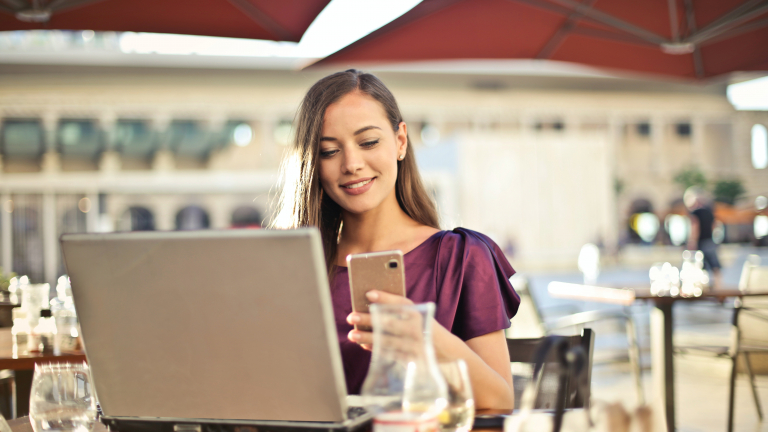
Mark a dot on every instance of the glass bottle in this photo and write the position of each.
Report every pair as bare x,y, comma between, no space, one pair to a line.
20,332
403,374
65,318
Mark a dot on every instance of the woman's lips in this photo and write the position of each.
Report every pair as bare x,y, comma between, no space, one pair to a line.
358,187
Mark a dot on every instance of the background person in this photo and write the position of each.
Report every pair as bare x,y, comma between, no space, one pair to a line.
702,225
352,174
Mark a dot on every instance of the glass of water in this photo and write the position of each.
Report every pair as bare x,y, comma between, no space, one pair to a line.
62,399
460,413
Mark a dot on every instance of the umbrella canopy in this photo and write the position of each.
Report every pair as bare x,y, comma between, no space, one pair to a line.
680,38
284,20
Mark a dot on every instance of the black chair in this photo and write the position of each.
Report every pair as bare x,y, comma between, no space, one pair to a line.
576,396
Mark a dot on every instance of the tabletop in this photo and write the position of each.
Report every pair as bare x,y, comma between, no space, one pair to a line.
626,296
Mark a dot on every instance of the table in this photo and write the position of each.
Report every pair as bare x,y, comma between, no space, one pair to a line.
24,366
22,424
662,367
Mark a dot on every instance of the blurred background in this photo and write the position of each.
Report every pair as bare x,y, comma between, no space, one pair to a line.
109,123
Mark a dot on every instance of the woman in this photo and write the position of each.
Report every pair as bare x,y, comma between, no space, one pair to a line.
353,175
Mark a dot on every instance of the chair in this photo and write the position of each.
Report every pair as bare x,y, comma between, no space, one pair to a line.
523,350
750,329
530,317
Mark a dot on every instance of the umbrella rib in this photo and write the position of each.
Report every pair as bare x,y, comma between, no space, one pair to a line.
18,4
612,21
673,22
721,26
620,37
737,31
557,39
698,63
262,19
60,5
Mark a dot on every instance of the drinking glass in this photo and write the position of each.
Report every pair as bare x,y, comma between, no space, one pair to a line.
460,413
61,399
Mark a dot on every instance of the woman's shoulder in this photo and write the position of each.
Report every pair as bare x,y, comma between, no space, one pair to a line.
468,239
468,247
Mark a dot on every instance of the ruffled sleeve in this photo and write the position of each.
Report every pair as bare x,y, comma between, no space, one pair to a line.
474,295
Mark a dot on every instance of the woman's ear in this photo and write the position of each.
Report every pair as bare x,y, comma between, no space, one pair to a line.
401,137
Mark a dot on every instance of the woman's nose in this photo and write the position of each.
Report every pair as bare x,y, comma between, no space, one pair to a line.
353,162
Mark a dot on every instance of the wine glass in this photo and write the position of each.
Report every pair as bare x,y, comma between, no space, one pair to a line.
460,413
61,399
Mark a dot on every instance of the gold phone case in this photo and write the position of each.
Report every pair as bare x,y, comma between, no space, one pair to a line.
383,271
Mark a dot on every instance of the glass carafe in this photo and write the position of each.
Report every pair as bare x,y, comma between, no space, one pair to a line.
404,374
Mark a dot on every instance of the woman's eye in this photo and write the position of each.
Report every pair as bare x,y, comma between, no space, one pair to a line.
369,143
327,153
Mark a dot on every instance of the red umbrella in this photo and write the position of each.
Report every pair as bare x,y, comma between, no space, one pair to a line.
285,20
681,38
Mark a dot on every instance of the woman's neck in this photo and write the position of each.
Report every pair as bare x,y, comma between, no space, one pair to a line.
386,227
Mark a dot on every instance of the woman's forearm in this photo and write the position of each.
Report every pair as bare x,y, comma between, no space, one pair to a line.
490,388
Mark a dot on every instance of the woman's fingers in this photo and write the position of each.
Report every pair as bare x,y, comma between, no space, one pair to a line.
360,337
376,296
359,319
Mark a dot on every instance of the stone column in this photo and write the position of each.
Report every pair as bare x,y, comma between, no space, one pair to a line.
269,148
698,142
109,161
6,227
658,165
163,159
613,215
51,162
92,216
50,235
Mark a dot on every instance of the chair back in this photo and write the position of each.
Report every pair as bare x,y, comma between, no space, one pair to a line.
523,350
528,322
753,314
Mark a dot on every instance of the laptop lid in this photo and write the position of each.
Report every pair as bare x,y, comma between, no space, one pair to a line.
234,324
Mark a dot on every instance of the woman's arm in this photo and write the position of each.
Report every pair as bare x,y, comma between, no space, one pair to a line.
486,356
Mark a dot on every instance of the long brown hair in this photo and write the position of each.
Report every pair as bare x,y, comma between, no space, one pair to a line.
302,201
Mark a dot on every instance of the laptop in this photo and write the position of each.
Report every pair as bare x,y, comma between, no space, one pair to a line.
210,330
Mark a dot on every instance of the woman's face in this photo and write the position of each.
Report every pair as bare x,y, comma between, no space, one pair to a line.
359,153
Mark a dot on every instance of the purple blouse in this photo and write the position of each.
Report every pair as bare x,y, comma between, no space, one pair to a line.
463,272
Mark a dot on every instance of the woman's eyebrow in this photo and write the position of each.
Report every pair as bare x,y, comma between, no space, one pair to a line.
357,132
361,130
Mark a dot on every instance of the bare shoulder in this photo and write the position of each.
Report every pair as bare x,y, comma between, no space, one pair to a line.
418,235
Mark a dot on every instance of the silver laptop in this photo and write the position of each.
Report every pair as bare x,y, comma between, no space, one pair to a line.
210,329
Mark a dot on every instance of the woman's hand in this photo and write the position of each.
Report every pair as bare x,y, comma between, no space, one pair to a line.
365,338
486,356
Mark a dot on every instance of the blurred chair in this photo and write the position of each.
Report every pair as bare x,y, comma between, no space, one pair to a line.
530,323
750,328
749,332
523,350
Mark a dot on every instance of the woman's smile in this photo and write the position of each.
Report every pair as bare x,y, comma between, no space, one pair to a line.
357,187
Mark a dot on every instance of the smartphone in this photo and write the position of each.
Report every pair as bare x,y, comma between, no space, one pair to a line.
383,271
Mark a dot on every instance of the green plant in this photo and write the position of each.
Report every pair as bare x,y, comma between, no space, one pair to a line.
691,176
728,191
5,279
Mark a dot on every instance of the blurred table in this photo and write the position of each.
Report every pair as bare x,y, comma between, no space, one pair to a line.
24,366
662,368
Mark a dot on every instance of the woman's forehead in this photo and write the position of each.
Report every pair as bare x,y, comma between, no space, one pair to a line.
354,109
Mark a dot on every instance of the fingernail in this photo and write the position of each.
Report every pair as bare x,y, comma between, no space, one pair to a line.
372,295
353,319
353,336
